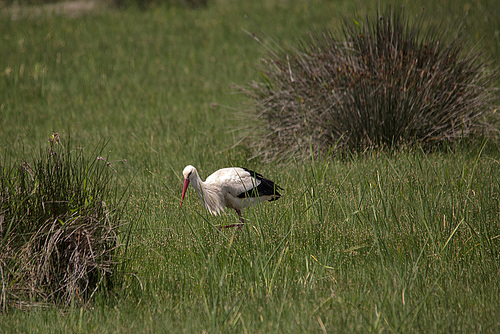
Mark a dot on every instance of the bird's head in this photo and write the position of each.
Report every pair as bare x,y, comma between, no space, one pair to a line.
188,172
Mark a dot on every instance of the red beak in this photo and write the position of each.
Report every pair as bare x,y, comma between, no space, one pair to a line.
186,184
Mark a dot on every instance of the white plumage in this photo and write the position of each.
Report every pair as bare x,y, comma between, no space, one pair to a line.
232,187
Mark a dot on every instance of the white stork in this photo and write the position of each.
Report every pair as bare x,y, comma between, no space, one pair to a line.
232,187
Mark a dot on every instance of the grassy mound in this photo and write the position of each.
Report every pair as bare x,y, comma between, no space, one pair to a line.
385,81
59,219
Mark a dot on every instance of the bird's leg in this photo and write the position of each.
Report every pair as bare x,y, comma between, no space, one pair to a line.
242,221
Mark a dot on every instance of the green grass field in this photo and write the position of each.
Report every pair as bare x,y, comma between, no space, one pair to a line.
373,242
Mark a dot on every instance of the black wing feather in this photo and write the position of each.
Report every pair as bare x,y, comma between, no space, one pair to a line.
265,188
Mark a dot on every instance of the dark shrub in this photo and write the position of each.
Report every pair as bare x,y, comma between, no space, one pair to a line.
384,82
59,220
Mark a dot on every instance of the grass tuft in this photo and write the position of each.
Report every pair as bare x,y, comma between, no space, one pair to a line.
387,81
59,220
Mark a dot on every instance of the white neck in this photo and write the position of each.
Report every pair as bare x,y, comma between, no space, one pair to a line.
210,197
197,184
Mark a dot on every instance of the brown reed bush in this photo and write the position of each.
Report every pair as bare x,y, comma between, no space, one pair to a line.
59,223
387,81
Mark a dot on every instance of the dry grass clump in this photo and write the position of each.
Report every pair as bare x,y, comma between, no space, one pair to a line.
59,220
382,82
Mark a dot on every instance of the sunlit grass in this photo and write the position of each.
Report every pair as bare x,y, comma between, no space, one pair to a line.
403,242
